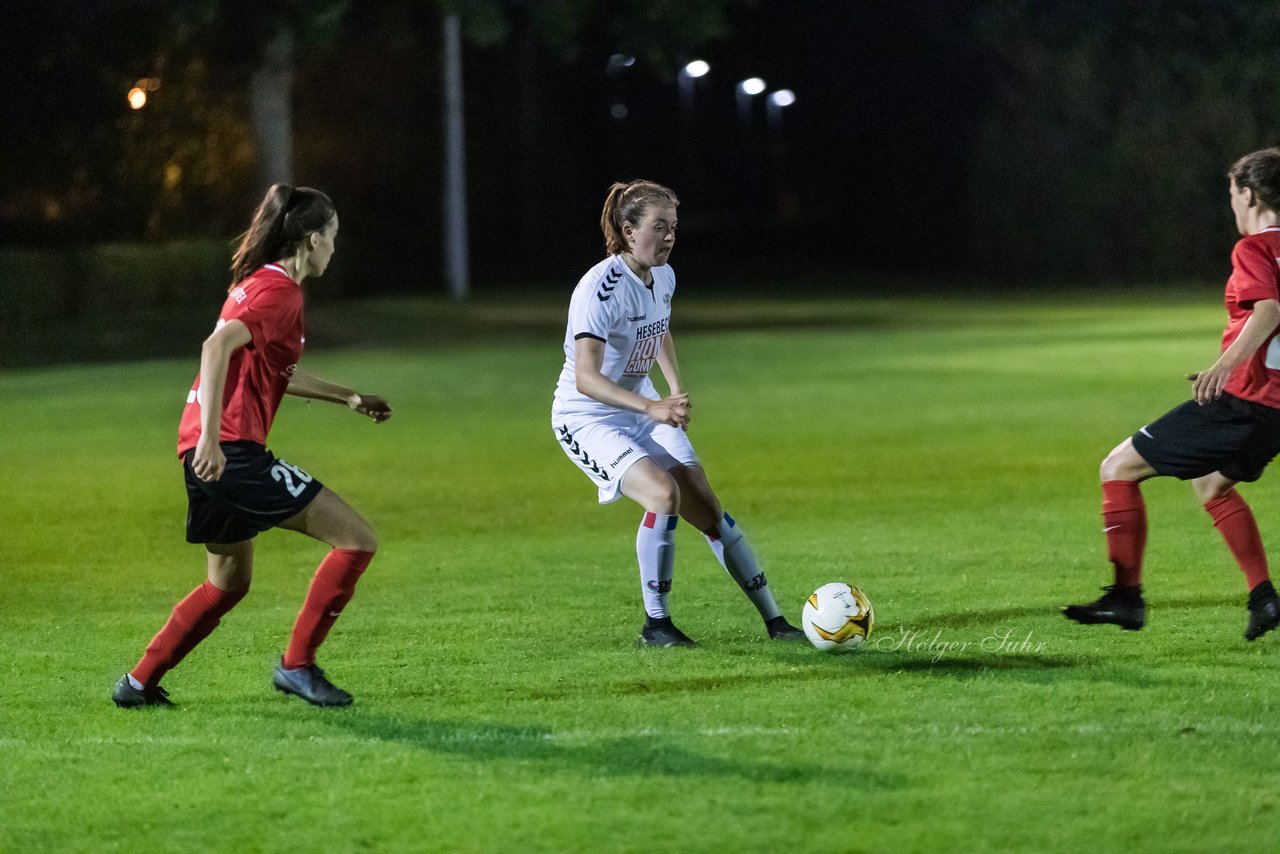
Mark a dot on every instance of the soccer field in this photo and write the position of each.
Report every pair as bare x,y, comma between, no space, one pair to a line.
941,454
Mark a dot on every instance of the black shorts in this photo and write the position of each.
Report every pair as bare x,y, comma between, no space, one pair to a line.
1229,435
256,492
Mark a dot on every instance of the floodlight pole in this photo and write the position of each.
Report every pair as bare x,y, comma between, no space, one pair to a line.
456,264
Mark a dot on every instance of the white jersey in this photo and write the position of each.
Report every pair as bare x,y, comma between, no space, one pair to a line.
612,305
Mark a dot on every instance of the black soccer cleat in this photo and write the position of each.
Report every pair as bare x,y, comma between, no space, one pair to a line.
1264,611
661,632
310,684
1120,606
128,697
780,629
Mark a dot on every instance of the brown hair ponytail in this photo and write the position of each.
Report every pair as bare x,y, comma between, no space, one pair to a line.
284,217
628,202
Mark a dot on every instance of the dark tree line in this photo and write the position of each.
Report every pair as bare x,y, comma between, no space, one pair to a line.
1028,139
1105,150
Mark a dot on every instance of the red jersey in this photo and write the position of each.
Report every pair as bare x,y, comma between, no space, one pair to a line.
269,303
1254,277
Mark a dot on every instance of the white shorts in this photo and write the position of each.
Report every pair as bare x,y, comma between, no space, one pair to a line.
604,447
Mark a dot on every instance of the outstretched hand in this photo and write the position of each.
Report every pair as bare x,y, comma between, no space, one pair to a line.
372,405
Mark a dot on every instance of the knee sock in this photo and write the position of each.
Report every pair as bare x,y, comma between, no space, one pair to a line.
656,551
735,555
1234,520
191,622
1124,521
331,589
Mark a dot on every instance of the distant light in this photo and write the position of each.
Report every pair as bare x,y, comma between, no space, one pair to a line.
619,61
137,98
782,98
696,69
752,86
619,112
172,175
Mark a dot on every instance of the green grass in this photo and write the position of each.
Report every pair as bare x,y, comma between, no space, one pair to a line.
940,453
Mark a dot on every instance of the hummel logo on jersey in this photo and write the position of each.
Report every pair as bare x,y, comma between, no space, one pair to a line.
611,280
637,318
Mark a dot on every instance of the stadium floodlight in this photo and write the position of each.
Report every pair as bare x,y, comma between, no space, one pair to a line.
782,98
694,70
774,105
685,81
742,94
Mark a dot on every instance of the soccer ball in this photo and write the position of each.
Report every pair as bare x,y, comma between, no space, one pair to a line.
838,617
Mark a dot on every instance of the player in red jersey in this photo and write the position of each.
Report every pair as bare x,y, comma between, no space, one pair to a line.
1227,434
236,488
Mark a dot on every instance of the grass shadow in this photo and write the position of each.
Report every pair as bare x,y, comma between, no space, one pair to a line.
604,755
685,685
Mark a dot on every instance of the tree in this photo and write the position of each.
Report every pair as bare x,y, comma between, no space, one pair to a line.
1105,152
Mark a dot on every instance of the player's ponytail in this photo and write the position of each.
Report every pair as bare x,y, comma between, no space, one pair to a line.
628,202
1260,172
284,217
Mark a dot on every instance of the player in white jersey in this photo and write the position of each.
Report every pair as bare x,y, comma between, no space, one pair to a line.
612,422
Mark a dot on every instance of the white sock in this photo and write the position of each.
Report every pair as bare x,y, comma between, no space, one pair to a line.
656,550
735,555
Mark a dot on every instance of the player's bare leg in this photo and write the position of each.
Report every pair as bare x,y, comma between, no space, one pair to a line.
647,484
333,521
700,507
353,542
230,565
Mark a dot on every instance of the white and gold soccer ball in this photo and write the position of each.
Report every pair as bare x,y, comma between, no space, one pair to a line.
838,617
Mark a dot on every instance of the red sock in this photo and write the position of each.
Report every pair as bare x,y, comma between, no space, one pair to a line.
1233,518
331,589
191,622
1124,521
